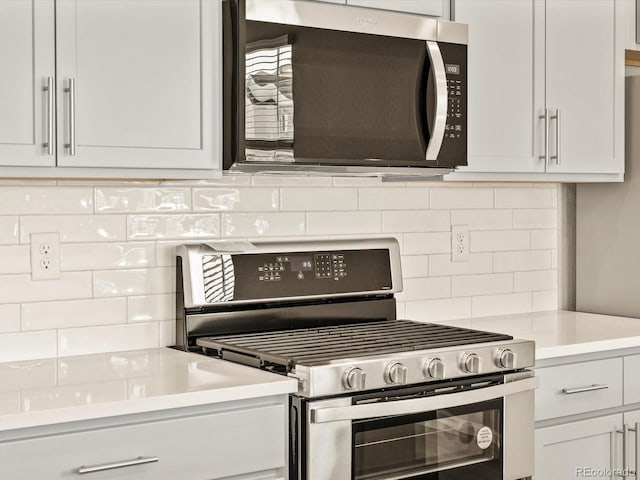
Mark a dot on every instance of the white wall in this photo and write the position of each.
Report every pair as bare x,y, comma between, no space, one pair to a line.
117,241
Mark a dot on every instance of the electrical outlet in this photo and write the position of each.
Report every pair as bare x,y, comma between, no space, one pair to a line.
45,256
459,243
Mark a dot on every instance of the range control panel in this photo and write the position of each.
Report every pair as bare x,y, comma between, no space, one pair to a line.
250,276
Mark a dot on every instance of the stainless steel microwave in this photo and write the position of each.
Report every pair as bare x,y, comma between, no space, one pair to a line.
314,87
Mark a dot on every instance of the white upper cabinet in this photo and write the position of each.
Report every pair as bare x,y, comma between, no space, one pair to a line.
530,60
27,57
585,84
504,87
137,88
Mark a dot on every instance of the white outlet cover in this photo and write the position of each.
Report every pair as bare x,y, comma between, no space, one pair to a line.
45,266
459,243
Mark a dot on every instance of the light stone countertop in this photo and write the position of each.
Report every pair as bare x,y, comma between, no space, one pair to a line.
59,390
561,333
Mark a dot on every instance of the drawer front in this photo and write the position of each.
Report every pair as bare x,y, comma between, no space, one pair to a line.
578,388
202,447
631,379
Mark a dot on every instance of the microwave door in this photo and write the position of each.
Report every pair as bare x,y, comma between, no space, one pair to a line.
438,101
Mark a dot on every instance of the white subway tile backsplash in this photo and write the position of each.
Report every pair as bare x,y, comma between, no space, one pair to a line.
152,308
461,198
483,219
415,266
20,288
535,218
544,239
534,281
487,305
15,259
522,261
394,198
416,221
236,199
36,200
427,243
99,256
143,281
319,199
142,200
9,318
27,345
73,313
343,222
439,310
440,265
525,198
489,284
9,230
425,288
118,240
500,241
546,300
289,181
263,224
167,333
76,228
187,227
111,338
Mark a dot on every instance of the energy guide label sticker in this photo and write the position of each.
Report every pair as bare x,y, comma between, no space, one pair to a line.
484,438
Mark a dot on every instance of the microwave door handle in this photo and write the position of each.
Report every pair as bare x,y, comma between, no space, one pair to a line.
439,120
418,405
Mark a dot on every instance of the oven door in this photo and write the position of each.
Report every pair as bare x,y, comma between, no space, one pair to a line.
479,432
325,86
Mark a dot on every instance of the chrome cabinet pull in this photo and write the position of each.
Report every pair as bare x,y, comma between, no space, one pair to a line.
545,117
636,431
442,101
556,117
111,466
71,90
48,88
590,388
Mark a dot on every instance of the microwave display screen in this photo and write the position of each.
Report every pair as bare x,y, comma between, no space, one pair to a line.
452,69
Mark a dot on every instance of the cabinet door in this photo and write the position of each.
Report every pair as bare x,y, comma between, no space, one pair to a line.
147,83
506,91
576,450
27,58
631,419
585,82
434,8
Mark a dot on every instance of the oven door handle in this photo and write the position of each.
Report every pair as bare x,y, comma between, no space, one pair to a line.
417,405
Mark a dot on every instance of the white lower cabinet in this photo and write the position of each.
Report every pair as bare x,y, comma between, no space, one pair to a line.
243,443
583,449
586,414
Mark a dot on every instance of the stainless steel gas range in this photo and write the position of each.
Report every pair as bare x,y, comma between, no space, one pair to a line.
378,398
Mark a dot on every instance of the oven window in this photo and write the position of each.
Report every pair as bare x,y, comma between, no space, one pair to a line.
450,444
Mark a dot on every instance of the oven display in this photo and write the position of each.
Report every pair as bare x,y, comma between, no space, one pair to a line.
301,264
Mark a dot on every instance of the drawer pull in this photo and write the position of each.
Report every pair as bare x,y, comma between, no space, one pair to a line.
590,388
110,466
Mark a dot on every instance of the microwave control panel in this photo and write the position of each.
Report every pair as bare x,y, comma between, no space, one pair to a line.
454,144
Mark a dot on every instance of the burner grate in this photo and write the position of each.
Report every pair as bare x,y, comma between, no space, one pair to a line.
316,346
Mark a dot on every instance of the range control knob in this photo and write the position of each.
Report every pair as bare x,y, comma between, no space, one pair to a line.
505,358
396,373
354,379
434,368
470,363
